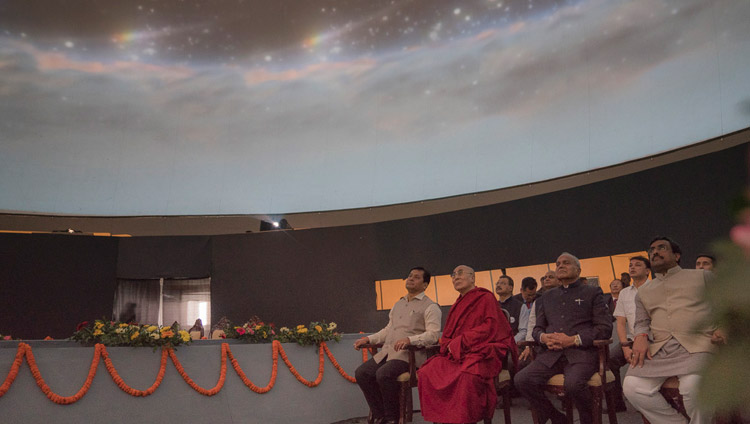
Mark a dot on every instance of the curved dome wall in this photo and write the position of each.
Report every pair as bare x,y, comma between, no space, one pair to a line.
167,109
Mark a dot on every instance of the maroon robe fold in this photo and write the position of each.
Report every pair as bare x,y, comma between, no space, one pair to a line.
457,385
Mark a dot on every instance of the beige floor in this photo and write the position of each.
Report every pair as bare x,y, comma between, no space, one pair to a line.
520,414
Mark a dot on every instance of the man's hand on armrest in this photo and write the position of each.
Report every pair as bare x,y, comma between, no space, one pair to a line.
401,344
363,341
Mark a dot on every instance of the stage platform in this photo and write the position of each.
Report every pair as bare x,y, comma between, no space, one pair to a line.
65,365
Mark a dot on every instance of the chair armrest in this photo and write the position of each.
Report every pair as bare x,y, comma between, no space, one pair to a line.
413,360
606,342
371,346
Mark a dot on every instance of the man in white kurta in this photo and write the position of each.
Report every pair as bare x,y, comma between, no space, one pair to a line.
671,307
414,319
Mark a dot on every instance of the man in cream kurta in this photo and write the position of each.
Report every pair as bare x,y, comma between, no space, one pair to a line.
414,319
673,309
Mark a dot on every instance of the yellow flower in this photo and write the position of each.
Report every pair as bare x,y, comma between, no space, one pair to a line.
302,330
123,325
120,330
99,324
98,332
265,335
300,326
257,327
185,336
155,336
237,328
319,328
332,326
135,335
284,330
151,328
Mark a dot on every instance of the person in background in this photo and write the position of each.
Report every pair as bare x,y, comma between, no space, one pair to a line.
705,261
615,287
504,290
198,326
625,278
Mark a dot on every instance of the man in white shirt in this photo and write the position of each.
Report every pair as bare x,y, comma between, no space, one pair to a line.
414,319
639,271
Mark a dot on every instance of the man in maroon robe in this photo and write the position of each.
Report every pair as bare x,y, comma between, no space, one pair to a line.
457,385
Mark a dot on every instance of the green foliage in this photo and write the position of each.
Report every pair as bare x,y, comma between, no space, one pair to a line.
724,386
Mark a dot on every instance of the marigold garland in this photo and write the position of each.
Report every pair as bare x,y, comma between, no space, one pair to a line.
54,397
100,351
274,368
122,385
190,382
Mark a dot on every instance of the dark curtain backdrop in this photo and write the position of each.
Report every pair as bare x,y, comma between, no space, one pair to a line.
293,277
50,282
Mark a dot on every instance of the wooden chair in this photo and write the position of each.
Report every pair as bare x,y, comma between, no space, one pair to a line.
407,381
670,390
504,381
504,384
602,385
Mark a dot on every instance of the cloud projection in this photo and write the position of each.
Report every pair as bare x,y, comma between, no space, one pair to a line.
224,107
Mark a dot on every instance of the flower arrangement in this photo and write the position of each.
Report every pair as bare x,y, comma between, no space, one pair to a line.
313,334
5,337
257,331
253,331
111,333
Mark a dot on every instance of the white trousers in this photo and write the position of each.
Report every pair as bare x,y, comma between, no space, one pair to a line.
643,394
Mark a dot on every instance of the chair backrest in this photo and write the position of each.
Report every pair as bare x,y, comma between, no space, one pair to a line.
216,334
195,335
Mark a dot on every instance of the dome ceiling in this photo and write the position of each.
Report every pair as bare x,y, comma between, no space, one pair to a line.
227,107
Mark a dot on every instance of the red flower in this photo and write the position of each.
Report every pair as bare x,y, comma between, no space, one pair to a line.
223,336
82,325
240,331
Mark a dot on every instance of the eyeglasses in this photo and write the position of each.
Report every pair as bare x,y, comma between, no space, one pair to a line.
460,273
663,247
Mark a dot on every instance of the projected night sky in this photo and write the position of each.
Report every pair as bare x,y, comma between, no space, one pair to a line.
121,107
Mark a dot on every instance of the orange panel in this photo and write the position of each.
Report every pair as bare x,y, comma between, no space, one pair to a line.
483,279
600,268
446,294
521,272
392,291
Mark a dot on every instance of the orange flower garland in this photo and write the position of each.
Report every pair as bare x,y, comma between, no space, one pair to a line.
13,370
121,384
336,363
243,377
54,397
190,382
100,351
297,374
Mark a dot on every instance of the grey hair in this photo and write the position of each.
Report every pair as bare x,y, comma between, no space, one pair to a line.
575,259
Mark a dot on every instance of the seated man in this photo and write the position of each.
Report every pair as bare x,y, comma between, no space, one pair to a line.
414,319
568,320
457,385
671,307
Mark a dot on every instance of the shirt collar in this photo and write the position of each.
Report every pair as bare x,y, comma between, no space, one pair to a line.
574,284
420,296
670,272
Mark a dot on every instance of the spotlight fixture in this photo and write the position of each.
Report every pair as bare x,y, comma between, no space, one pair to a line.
281,224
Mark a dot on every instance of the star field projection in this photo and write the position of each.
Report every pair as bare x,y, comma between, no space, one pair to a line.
252,33
302,105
